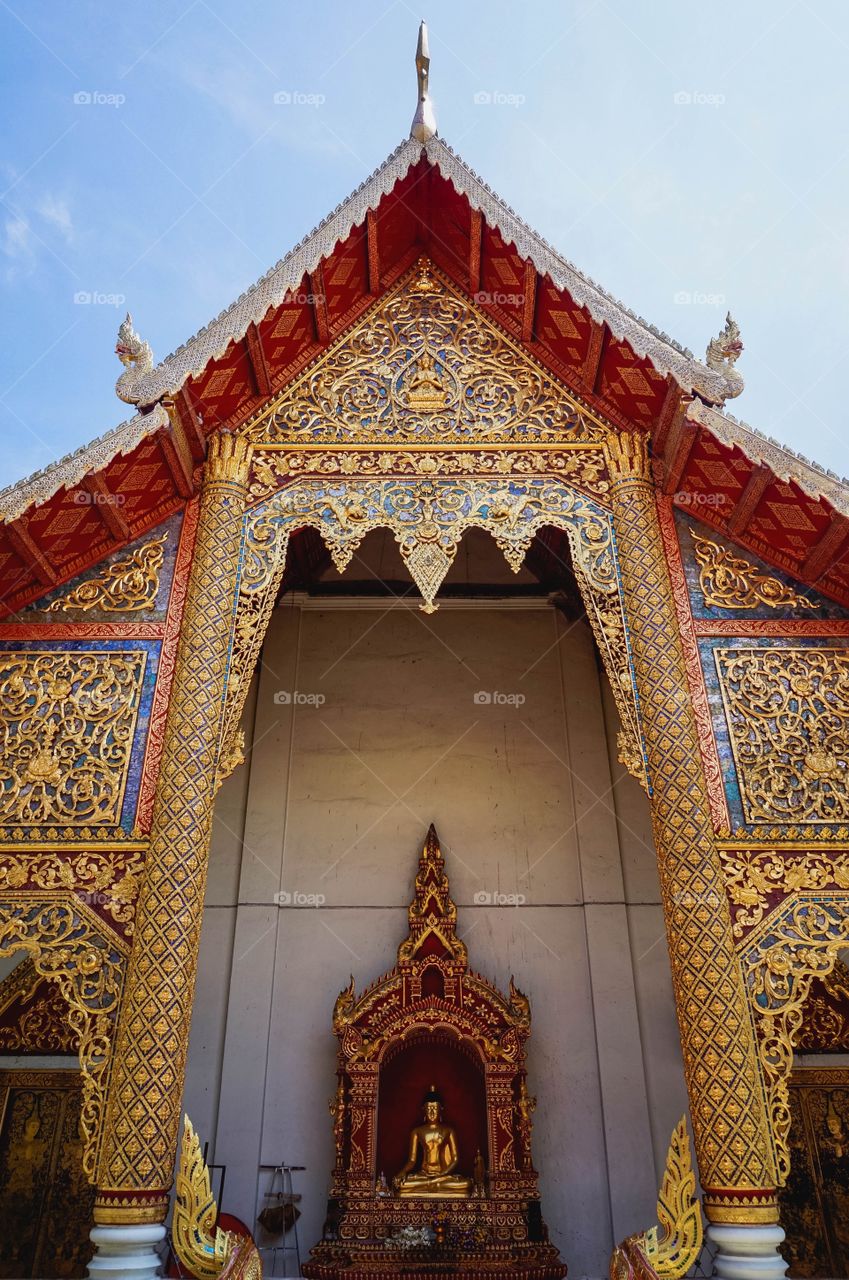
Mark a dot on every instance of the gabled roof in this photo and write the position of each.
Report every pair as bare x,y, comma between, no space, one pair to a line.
422,197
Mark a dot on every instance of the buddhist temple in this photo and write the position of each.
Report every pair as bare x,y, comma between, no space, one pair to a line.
424,814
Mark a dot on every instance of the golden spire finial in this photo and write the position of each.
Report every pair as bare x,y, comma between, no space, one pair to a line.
423,127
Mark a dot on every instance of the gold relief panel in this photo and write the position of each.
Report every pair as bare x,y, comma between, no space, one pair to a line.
424,365
128,585
730,582
787,711
67,722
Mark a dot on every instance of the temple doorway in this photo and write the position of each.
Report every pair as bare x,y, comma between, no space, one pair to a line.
493,718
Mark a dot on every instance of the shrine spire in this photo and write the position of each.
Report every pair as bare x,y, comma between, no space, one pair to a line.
423,127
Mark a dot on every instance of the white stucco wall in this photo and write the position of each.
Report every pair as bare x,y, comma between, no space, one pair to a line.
335,801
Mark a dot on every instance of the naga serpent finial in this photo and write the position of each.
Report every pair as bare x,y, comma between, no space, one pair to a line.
423,127
722,354
136,357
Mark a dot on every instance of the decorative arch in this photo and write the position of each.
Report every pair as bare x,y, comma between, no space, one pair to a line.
72,947
428,420
796,944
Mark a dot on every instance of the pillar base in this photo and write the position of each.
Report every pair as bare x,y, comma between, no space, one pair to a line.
747,1252
126,1252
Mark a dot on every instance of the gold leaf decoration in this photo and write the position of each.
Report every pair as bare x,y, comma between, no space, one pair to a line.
203,1248
128,585
678,1212
67,722
730,582
788,720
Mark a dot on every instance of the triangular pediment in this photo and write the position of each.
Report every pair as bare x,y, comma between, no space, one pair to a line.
422,199
425,366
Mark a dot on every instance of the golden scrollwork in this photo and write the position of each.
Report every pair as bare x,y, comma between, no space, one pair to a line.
202,1247
108,878
88,967
753,876
67,721
425,366
672,1255
727,1102
779,966
41,1024
825,1025
730,582
788,720
428,518
584,467
129,585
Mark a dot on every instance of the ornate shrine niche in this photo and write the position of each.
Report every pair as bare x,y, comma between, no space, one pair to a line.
427,420
432,1024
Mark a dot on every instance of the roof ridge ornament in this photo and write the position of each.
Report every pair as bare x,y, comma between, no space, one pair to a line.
137,358
423,127
722,354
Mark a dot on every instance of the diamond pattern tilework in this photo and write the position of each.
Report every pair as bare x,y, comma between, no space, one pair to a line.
723,1078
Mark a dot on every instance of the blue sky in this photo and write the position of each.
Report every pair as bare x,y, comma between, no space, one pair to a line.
690,158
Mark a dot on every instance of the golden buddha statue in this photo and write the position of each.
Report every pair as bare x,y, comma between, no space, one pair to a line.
433,1148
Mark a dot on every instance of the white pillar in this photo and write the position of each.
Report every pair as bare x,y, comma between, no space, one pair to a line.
126,1253
747,1252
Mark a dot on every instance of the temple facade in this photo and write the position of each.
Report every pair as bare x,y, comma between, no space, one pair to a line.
426,528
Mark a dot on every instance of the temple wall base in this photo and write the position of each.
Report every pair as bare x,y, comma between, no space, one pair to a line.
126,1253
747,1252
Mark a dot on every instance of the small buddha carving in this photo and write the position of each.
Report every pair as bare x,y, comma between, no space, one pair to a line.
426,392
433,1156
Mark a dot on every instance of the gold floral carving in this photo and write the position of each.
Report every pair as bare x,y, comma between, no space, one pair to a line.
66,727
425,389
788,719
779,966
129,585
727,1102
428,519
825,1025
585,467
425,367
671,1255
41,1025
88,967
730,582
137,1159
753,876
202,1247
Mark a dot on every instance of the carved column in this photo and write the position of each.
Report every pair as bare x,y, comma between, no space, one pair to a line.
141,1132
727,1100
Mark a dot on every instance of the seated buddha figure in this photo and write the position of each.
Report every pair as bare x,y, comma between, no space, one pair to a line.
429,1170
